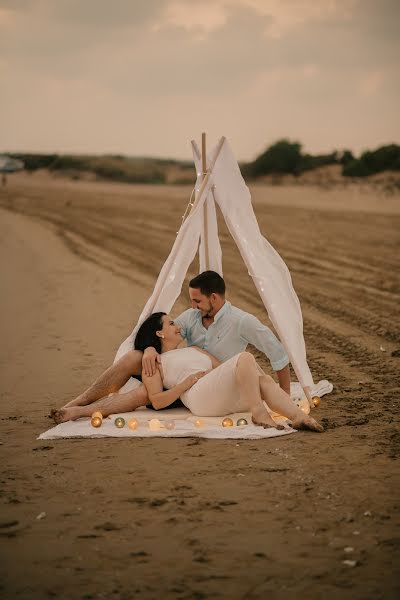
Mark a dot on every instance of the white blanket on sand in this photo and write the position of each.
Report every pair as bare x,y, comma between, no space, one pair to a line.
184,423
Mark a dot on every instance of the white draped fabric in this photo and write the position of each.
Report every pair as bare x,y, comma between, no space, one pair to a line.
225,185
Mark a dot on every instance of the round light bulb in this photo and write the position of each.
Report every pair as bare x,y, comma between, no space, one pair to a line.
316,401
154,424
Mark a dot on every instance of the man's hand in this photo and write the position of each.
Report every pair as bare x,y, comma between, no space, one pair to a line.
149,361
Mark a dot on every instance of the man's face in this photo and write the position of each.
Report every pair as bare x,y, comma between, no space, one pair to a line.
201,302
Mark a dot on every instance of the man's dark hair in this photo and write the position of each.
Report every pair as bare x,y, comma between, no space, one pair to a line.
146,335
208,282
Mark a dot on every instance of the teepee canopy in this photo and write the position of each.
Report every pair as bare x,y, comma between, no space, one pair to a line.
219,181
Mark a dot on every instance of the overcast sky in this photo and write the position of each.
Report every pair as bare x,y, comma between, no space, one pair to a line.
142,77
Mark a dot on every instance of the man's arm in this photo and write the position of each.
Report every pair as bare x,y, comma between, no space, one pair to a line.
183,321
260,336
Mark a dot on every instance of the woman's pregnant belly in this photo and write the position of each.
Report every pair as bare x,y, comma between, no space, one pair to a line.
216,394
179,364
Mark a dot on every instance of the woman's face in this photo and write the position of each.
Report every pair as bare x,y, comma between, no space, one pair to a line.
170,332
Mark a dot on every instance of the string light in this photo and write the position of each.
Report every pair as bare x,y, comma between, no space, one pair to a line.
190,204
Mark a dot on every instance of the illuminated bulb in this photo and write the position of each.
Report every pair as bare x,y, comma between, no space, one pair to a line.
133,424
227,422
119,422
97,414
154,424
169,425
96,421
316,401
199,423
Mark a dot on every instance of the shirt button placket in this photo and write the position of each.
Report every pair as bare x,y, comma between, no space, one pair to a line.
206,340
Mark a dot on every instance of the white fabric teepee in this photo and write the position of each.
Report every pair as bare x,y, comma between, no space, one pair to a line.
223,183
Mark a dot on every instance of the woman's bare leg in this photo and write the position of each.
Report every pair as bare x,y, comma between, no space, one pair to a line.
111,380
115,403
248,380
280,402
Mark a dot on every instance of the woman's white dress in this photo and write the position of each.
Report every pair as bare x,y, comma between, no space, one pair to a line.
216,394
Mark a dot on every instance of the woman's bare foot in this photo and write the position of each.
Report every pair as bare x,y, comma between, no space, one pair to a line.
307,422
260,416
62,415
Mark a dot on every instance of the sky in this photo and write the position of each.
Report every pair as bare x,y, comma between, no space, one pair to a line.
144,77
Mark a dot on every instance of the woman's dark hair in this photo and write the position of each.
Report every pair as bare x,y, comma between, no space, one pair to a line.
208,282
146,336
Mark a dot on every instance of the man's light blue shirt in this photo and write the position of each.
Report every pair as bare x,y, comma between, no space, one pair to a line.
230,333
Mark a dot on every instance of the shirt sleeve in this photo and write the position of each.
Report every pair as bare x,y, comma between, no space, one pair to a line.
183,322
260,336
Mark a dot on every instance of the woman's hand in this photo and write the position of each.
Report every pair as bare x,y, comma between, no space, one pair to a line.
149,361
193,379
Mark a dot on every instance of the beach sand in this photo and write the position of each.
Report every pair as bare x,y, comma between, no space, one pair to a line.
192,518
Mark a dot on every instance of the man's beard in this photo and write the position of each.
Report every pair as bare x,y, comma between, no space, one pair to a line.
208,312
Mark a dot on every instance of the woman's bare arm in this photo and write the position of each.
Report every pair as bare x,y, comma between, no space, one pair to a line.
160,398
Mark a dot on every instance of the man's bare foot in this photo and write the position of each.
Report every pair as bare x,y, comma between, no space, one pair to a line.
260,416
308,423
62,415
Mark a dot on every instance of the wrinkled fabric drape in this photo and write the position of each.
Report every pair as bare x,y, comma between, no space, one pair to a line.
267,269
169,282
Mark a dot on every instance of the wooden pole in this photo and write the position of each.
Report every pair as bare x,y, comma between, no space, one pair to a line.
207,177
161,282
205,208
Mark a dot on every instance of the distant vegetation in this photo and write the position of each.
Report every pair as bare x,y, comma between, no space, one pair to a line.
112,167
385,158
284,157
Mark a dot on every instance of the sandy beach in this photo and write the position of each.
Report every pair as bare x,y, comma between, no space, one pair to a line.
304,516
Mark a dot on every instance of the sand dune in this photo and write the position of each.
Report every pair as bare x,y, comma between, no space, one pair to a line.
196,519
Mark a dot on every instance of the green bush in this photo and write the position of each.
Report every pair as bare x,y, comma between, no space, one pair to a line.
346,157
285,156
309,161
385,158
282,157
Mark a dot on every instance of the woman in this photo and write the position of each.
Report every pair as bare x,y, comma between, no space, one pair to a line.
208,387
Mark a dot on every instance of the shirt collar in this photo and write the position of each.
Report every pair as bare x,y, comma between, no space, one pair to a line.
223,310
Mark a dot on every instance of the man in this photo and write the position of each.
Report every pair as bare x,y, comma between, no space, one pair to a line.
213,324
222,329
